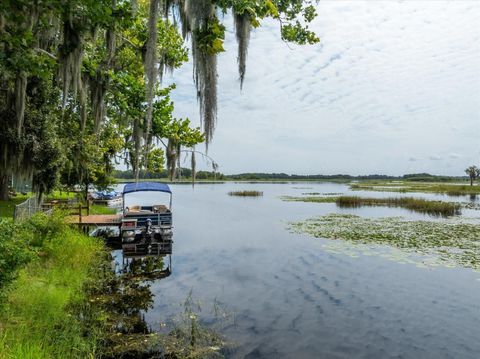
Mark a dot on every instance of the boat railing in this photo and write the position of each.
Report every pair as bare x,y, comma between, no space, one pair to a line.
158,219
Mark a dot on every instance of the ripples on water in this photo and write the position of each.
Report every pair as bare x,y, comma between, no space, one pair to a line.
292,298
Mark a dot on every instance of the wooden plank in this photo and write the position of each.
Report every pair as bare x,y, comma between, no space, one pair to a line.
96,219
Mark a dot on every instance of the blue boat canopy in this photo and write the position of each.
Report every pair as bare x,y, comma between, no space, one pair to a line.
146,186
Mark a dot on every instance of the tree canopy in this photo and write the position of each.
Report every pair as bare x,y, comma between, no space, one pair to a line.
81,80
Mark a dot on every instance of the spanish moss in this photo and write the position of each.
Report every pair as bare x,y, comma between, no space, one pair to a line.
195,14
20,98
150,62
193,165
243,27
71,56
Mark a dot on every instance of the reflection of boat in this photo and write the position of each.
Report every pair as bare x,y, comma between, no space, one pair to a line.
146,230
109,198
110,234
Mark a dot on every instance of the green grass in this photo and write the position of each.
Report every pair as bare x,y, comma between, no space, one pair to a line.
453,243
61,195
452,189
245,193
437,208
101,209
37,319
7,207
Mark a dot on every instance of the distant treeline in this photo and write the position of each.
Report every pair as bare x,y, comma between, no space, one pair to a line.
207,175
420,177
185,173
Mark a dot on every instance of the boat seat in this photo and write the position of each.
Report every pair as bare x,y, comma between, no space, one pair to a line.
159,208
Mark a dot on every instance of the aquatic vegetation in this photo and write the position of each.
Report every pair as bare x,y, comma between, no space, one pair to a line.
190,338
246,193
438,208
451,241
314,199
451,189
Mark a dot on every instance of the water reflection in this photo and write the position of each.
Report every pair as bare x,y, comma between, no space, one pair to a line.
292,298
127,297
147,268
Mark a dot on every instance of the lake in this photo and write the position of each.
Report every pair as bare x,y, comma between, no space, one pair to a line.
290,296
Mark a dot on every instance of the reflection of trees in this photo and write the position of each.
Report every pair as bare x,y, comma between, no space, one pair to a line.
145,268
119,302
123,298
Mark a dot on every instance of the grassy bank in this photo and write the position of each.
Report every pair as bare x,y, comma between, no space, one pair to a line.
60,298
454,243
38,318
452,189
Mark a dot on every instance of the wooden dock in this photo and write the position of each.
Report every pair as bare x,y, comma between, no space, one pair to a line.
96,220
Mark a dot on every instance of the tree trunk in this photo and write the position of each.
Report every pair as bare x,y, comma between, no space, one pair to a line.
471,180
4,185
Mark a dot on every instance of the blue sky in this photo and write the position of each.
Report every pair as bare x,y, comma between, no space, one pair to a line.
393,87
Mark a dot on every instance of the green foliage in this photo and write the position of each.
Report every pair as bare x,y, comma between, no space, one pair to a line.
295,32
14,252
210,37
473,173
156,161
73,74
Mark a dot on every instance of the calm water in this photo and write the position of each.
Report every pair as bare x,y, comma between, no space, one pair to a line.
293,299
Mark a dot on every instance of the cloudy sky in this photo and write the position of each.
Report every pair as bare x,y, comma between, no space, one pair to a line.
393,87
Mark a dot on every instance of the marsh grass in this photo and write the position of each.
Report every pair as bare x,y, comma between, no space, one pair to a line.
312,199
246,193
436,208
454,243
450,189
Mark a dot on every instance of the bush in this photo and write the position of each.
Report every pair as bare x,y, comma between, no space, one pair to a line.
14,251
20,242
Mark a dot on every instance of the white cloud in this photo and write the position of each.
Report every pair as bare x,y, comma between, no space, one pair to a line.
390,81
